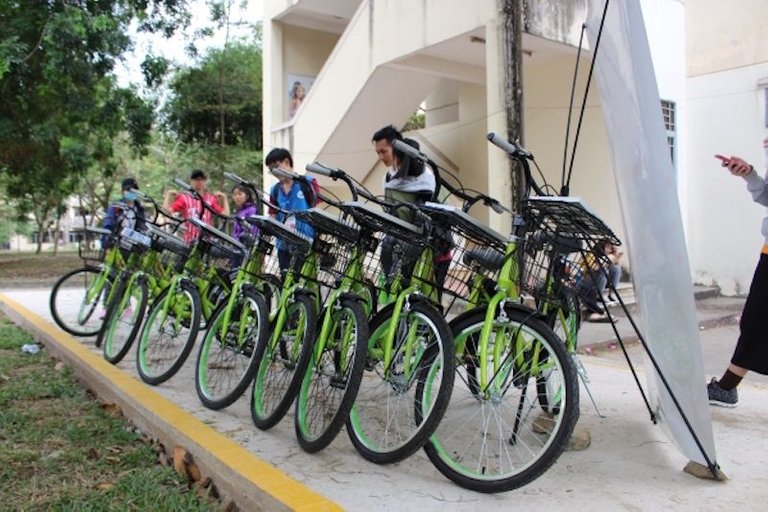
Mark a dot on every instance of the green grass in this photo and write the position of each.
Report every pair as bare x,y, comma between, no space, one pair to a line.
60,450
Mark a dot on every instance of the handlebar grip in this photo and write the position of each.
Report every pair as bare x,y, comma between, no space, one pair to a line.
182,184
234,177
505,145
284,173
509,147
410,150
318,168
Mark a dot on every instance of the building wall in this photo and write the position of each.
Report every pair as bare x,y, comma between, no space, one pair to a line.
727,116
727,68
725,35
386,46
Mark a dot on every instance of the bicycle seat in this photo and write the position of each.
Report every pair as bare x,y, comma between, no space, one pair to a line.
488,258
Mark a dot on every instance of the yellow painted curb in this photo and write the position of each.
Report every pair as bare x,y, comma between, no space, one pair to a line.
228,456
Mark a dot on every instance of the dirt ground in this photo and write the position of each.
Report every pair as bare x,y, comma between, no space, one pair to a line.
29,269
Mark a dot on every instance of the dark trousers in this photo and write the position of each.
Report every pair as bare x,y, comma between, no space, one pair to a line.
752,348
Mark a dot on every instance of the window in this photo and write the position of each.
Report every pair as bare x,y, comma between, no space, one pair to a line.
668,111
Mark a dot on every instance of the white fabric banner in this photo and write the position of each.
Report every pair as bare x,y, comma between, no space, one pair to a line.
647,193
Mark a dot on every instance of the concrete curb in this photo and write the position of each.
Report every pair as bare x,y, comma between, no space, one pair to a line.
250,482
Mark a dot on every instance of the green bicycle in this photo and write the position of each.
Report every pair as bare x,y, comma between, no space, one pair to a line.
75,297
494,436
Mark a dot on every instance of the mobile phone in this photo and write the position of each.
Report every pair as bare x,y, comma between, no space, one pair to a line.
725,159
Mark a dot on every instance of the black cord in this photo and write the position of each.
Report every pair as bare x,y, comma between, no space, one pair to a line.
567,184
564,190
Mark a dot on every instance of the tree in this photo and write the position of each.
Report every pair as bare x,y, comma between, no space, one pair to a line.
216,111
219,102
59,106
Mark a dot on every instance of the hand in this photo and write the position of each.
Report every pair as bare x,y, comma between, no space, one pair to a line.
738,166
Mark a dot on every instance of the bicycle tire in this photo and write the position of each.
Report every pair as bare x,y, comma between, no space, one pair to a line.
572,318
226,367
330,384
166,340
493,441
387,422
124,317
75,288
282,364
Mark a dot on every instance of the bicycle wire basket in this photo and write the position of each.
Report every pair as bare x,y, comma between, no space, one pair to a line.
274,235
472,250
556,229
396,247
218,249
334,243
90,248
173,252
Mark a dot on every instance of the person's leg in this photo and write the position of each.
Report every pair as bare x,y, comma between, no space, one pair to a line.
614,276
732,376
588,295
751,343
599,281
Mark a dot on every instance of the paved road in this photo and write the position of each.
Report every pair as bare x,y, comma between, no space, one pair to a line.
631,463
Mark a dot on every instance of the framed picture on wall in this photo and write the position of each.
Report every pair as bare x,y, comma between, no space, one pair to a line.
298,87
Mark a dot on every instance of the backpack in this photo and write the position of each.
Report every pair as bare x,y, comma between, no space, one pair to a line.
309,193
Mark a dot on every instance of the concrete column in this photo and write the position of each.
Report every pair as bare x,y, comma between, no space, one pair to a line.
499,173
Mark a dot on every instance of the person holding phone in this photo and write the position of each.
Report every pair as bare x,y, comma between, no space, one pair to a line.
751,352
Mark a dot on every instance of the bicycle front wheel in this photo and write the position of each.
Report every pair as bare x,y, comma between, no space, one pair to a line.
388,421
169,333
123,320
494,437
75,299
283,360
226,361
332,379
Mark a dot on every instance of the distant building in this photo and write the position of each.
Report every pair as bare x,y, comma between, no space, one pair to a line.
371,63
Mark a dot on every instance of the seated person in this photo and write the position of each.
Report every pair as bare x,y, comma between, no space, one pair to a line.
596,269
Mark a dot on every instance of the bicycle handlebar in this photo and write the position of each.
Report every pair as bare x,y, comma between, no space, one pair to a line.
410,151
336,174
522,155
188,188
183,184
159,210
512,148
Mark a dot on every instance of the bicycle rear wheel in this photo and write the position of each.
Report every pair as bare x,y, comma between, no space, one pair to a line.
169,333
75,298
283,360
494,438
226,364
332,379
388,421
123,320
